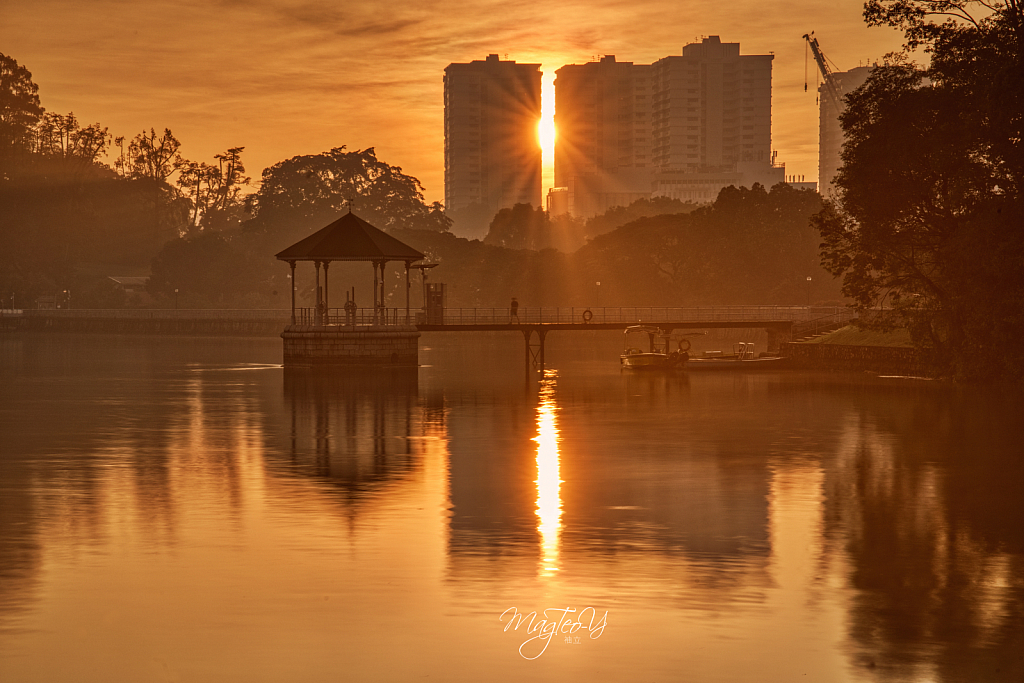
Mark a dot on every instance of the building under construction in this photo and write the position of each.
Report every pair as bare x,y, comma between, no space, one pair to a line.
831,104
830,133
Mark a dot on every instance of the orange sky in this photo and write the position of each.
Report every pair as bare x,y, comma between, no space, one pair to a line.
288,77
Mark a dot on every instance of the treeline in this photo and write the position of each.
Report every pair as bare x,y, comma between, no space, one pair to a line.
69,219
525,227
750,246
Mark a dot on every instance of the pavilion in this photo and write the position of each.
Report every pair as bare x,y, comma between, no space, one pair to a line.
349,238
311,339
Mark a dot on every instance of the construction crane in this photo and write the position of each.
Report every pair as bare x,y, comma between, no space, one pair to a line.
831,87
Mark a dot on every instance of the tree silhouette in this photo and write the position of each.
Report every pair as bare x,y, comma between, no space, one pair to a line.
152,160
520,227
19,111
215,191
929,213
304,193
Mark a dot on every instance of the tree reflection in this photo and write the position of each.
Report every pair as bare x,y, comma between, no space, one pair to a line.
925,497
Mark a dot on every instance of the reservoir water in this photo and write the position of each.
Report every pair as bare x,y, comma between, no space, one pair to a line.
184,509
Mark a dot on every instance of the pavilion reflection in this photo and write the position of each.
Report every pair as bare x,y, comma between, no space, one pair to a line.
353,429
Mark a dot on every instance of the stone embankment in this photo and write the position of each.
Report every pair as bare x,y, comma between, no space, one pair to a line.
391,345
836,352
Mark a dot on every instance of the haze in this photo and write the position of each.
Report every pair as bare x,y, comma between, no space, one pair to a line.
283,78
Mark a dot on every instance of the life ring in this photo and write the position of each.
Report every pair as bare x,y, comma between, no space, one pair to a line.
587,316
682,348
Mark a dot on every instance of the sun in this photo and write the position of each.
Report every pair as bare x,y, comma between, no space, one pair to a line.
546,132
546,136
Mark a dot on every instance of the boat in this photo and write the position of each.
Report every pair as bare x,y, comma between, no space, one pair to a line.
742,358
659,354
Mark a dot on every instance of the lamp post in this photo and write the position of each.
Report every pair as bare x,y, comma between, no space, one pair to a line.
808,291
598,302
175,298
67,299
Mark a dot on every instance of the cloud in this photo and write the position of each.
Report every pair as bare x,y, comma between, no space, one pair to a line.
287,77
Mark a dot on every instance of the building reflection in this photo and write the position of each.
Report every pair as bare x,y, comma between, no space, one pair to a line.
533,494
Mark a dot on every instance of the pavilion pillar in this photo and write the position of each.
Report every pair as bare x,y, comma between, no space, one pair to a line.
376,308
407,286
383,299
292,264
327,305
316,296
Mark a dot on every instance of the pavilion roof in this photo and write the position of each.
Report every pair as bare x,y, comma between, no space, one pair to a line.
349,238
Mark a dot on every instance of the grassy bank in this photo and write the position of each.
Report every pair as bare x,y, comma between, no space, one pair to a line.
855,336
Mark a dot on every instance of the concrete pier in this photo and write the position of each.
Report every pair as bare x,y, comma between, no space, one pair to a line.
391,345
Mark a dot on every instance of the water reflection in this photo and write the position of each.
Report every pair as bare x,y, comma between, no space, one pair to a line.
549,482
920,496
354,429
167,510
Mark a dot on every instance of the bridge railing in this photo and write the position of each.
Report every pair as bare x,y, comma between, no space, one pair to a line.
159,313
625,315
360,317
628,315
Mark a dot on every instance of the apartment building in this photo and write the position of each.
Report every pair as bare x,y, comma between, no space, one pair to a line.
492,159
684,127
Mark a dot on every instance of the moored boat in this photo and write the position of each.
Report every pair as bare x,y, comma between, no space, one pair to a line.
742,358
659,354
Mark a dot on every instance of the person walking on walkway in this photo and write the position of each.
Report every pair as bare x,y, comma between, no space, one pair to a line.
513,311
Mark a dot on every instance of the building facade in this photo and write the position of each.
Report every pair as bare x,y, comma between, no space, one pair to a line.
685,127
603,119
492,158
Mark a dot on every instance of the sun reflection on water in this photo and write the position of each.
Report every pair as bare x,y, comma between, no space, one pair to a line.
549,500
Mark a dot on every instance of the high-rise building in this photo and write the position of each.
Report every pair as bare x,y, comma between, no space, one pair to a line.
603,119
684,127
830,132
492,158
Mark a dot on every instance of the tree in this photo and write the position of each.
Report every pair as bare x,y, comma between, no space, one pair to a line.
471,220
215,190
152,160
928,217
62,137
205,266
306,192
749,246
19,111
520,227
620,215
150,157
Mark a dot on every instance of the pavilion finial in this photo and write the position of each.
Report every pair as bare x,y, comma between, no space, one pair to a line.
348,202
